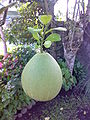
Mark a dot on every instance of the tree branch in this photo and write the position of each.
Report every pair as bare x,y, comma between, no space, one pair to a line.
67,11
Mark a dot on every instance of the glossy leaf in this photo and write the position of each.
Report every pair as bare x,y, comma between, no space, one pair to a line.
45,19
32,30
36,36
60,29
37,46
54,37
47,44
57,29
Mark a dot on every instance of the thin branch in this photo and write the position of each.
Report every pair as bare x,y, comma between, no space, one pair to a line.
67,10
83,6
78,9
74,26
74,9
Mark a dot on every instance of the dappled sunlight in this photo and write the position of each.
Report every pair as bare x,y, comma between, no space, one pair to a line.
10,47
45,60
60,8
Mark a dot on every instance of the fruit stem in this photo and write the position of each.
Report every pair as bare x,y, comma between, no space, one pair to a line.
41,48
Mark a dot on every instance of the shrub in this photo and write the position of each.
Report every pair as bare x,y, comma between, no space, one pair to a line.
77,79
80,73
12,96
68,80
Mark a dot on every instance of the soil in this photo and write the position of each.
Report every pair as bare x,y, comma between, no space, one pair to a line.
63,107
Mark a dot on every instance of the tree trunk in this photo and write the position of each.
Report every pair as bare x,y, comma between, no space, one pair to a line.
75,37
4,42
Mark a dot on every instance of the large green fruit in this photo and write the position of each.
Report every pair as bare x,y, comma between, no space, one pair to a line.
42,77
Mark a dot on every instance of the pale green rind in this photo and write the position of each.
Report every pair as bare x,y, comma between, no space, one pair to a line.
42,77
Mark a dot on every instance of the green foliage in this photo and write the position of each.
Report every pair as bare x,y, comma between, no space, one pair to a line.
78,79
47,44
53,37
45,19
80,73
33,31
68,80
39,32
18,32
12,96
60,29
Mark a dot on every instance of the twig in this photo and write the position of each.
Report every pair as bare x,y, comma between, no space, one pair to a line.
74,10
67,11
74,26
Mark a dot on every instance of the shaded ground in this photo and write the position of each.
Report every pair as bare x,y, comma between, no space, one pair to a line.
68,107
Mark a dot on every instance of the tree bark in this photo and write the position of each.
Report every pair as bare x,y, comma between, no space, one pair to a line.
4,42
67,10
1,32
88,10
75,38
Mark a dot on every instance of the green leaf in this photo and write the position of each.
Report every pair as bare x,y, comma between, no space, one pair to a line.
32,30
67,74
37,46
45,19
47,44
60,29
66,87
74,80
54,37
36,36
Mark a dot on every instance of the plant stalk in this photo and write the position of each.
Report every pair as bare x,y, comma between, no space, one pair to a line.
41,48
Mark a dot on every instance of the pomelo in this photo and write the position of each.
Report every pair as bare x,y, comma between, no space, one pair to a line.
42,78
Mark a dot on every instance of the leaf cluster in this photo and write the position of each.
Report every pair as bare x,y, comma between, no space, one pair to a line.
40,32
12,96
68,80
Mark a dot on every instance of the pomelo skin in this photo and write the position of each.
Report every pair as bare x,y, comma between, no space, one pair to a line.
42,78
